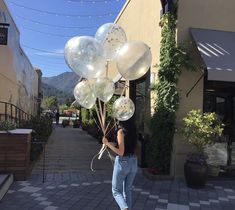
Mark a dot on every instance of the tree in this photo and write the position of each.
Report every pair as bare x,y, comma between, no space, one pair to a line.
69,101
50,103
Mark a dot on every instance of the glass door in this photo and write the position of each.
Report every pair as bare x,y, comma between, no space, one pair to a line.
220,103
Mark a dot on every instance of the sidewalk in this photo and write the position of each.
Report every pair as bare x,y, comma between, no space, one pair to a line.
70,184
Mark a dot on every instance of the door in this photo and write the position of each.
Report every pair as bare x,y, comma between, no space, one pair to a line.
223,104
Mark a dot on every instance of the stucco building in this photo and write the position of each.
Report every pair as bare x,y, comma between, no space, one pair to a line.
19,81
207,27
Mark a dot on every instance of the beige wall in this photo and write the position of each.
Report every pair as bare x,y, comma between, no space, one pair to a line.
18,79
140,20
209,14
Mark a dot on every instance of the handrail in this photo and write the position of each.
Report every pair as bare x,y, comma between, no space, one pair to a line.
13,113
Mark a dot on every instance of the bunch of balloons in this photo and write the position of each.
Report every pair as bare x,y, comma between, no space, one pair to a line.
90,57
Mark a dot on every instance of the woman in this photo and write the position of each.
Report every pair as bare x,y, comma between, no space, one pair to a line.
125,165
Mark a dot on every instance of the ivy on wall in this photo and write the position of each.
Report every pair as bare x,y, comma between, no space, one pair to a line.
162,124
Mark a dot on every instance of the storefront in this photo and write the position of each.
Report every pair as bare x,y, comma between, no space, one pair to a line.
217,50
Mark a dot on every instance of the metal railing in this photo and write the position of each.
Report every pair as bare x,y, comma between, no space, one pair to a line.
10,112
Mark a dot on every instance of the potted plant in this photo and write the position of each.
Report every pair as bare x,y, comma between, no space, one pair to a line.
199,130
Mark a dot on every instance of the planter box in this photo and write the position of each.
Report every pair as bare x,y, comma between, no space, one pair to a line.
15,153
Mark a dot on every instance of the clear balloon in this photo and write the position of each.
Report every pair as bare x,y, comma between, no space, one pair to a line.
123,108
111,37
133,60
84,95
112,71
103,89
85,56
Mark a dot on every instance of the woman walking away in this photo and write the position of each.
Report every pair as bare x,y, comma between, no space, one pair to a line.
125,165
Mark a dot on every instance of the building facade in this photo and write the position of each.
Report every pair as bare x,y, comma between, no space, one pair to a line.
207,28
19,82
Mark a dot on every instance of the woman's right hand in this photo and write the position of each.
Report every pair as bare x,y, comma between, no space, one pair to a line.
105,140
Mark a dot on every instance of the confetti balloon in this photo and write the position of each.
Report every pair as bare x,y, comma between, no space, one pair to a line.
123,108
103,89
133,60
111,37
84,95
85,56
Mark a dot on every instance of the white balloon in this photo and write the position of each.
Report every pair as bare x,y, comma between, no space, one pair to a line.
103,89
111,37
85,56
133,60
123,108
112,71
84,95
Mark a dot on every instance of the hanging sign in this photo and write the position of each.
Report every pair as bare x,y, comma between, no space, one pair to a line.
3,36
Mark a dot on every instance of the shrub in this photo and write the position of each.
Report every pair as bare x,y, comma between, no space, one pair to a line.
65,123
7,125
201,129
42,129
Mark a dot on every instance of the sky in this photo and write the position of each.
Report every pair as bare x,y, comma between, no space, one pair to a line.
46,25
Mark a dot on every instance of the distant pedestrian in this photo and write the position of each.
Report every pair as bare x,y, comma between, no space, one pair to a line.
57,117
125,165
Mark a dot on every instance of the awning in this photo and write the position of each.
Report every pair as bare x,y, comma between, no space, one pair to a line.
217,49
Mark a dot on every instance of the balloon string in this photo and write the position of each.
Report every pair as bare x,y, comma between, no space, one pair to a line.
124,88
107,127
107,68
110,157
99,118
101,113
100,152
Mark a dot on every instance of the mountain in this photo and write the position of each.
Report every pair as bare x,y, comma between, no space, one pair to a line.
60,86
52,91
64,82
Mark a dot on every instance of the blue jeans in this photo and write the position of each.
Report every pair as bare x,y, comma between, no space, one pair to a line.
124,171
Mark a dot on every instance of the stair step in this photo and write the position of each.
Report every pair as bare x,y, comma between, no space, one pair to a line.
5,182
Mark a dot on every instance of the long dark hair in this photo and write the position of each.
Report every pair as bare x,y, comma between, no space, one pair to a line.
130,136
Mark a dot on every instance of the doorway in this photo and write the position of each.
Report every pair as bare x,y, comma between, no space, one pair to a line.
219,97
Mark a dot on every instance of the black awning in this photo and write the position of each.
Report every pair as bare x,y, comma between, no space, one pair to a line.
217,49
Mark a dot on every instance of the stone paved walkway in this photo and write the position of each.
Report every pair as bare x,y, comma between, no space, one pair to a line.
70,184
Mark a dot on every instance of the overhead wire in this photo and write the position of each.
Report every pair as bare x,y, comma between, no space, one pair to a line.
91,1
45,57
62,14
49,34
56,26
53,53
46,51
